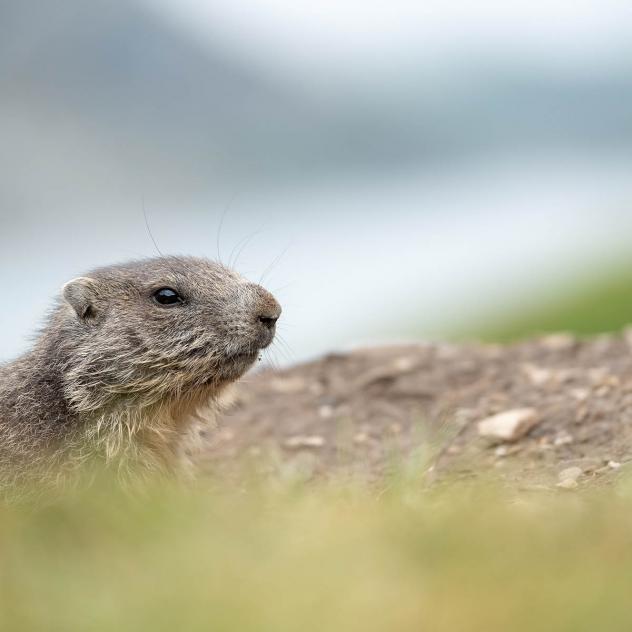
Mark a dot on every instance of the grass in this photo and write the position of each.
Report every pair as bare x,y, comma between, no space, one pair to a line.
321,557
601,303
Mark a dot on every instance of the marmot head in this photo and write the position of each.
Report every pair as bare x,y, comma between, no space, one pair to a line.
159,328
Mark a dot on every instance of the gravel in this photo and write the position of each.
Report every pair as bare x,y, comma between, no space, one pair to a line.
553,403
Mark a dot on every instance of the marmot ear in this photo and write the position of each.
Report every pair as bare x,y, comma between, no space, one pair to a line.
81,295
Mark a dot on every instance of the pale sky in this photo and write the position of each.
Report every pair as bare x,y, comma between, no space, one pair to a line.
325,35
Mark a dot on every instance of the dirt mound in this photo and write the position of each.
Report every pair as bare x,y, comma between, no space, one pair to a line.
362,412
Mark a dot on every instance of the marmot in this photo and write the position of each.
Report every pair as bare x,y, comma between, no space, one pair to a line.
127,359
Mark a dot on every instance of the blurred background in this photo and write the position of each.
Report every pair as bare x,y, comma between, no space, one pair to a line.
392,170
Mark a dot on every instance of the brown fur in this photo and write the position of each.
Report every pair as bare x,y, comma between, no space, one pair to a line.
116,377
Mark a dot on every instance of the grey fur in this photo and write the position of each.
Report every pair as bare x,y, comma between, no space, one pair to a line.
117,377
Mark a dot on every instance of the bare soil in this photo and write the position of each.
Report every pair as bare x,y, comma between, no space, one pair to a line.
371,412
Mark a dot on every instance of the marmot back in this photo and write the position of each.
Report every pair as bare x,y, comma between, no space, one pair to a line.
128,357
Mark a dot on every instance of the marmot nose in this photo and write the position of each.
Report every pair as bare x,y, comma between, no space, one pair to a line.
268,312
268,321
267,309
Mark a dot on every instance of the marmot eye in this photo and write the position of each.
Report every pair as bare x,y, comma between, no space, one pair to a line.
167,296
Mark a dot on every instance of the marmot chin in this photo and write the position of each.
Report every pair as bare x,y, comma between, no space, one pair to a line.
127,359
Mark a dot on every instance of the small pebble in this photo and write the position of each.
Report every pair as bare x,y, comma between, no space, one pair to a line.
570,473
537,375
580,394
567,483
300,441
510,425
326,412
562,439
404,364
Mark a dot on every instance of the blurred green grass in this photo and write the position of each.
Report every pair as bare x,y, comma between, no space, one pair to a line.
597,304
324,557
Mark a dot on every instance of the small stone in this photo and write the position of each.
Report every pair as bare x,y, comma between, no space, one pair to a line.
510,425
567,483
504,450
570,473
305,441
562,439
326,412
404,364
361,437
580,394
615,465
537,375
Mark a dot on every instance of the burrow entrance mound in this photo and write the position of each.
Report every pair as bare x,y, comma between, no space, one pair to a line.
554,410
